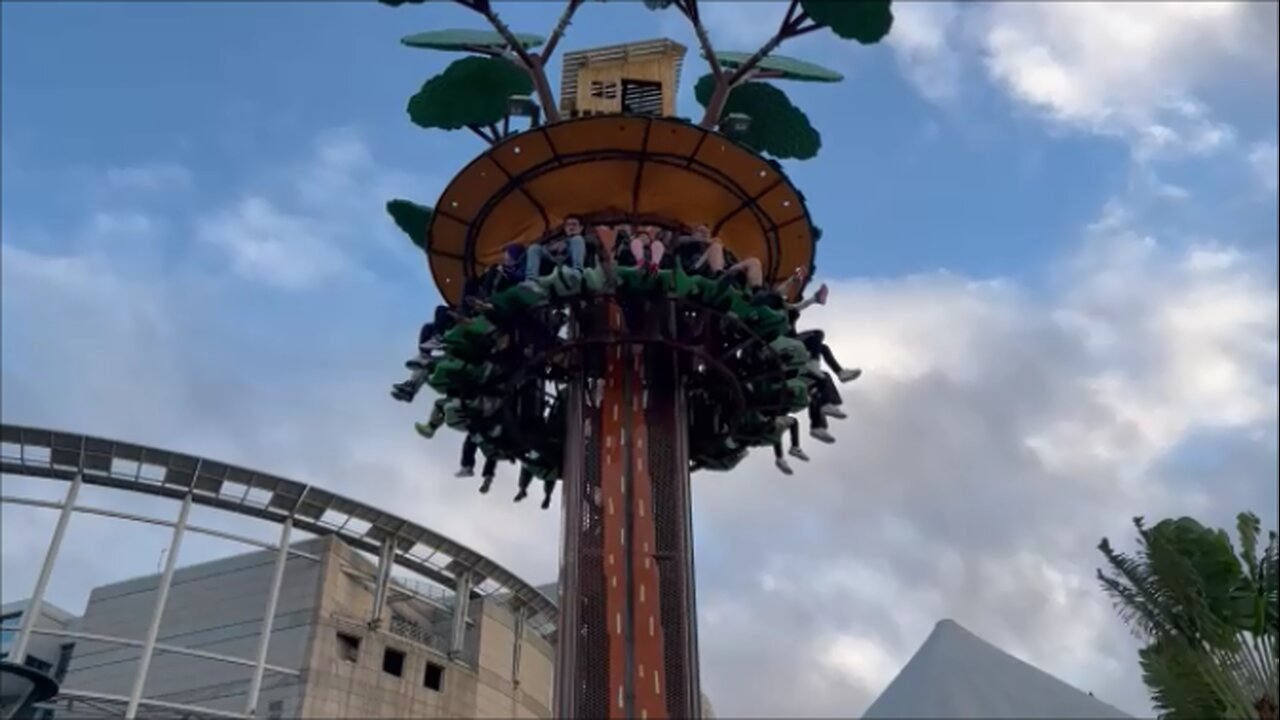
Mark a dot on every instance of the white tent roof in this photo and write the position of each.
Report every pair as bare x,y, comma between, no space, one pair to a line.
956,674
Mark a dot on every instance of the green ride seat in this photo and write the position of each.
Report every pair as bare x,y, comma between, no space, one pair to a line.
518,298
770,324
594,280
471,339
715,294
562,282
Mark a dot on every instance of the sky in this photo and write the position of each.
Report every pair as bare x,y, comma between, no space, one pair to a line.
1049,230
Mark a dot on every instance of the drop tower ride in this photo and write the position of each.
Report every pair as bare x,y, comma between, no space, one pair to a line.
619,381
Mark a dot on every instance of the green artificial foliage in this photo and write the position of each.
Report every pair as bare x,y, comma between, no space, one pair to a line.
778,127
412,218
781,67
473,91
465,40
867,21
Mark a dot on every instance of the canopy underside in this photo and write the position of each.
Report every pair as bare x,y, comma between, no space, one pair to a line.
611,168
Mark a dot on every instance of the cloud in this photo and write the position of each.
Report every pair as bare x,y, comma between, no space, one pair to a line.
1263,160
923,42
149,177
1137,71
268,245
317,219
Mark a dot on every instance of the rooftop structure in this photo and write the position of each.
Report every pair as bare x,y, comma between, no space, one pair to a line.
956,674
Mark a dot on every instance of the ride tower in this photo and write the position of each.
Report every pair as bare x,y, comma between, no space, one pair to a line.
616,379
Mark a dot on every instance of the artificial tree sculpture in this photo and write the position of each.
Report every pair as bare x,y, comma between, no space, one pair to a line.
648,328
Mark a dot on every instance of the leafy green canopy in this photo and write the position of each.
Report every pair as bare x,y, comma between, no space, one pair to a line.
867,21
778,127
781,67
471,91
1210,616
411,218
464,40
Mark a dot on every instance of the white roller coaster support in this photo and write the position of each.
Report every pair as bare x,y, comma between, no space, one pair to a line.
264,640
162,596
32,613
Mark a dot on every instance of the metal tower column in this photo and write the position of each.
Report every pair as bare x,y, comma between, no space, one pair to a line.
627,641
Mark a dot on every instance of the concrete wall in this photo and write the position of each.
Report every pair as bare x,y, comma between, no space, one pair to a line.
216,607
478,684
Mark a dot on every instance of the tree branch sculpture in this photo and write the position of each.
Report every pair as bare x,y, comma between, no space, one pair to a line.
866,21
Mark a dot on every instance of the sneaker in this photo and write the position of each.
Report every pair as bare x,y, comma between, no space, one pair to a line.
821,295
546,502
424,430
465,472
416,363
798,454
822,434
833,411
849,374
783,466
485,484
520,496
434,343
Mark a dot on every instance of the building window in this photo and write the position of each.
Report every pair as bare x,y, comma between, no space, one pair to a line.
64,661
641,97
275,710
348,647
433,678
393,662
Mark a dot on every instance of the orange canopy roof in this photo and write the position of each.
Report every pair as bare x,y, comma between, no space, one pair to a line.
607,169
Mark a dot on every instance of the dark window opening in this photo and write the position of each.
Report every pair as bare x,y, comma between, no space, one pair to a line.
393,662
641,97
64,661
348,647
275,710
433,678
605,89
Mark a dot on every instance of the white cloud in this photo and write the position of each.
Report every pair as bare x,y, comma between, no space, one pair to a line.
1138,71
273,247
315,220
922,39
149,177
1263,160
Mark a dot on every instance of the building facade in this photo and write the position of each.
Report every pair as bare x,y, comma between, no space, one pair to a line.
326,658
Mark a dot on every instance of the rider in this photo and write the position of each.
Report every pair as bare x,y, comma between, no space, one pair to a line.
569,245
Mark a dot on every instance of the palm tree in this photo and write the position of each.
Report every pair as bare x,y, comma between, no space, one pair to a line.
1209,616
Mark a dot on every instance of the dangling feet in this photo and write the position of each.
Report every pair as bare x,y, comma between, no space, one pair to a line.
404,391
783,466
821,295
465,471
798,454
822,434
849,374
425,430
485,484
522,494
833,411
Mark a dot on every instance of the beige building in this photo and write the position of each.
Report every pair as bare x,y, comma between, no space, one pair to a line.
326,658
